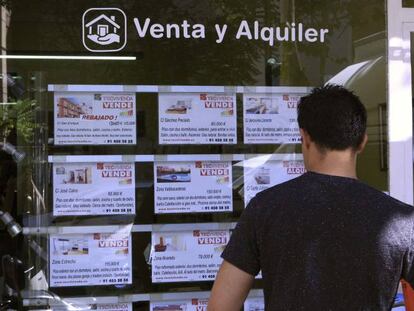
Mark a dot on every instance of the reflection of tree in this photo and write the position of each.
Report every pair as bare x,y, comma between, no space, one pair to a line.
180,61
16,127
361,18
6,3
18,118
173,61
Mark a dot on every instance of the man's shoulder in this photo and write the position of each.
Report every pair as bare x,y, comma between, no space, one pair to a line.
389,200
281,190
301,186
381,197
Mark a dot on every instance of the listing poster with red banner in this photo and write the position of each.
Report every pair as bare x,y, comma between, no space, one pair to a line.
93,188
197,118
254,304
187,256
259,175
271,118
95,306
180,305
83,118
193,187
90,259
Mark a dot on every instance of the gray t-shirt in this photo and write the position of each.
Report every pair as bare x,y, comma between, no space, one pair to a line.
325,243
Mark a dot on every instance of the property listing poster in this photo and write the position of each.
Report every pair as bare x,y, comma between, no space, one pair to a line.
90,259
187,255
193,187
94,118
194,118
181,305
270,119
106,307
268,174
93,188
254,304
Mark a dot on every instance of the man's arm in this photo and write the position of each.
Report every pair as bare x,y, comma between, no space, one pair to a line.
230,288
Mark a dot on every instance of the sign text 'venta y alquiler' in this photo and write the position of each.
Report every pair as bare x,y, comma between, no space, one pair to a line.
292,32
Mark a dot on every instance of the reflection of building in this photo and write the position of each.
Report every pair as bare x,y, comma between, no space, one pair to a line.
68,109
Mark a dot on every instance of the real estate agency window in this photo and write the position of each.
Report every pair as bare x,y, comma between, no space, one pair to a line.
148,126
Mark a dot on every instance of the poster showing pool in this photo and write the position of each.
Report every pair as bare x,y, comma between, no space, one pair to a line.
193,187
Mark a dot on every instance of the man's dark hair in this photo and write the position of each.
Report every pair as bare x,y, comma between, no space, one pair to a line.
334,117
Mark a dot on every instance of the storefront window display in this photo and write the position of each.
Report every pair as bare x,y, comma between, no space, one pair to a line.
135,133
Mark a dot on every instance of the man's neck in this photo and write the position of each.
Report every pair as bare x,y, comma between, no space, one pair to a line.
336,163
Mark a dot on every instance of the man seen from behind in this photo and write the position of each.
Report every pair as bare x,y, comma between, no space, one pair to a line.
325,240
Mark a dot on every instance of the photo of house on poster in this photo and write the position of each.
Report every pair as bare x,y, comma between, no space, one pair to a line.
193,187
90,259
254,304
94,119
270,119
93,189
180,305
197,118
98,307
187,256
260,176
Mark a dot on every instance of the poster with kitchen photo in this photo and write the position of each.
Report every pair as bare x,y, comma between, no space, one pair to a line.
186,256
197,118
93,188
270,118
90,259
194,304
254,304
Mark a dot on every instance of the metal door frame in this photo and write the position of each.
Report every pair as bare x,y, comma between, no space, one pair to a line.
400,120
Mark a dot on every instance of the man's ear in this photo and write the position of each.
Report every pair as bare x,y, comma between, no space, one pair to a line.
361,147
306,140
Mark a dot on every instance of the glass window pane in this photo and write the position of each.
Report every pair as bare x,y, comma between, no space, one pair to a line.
165,59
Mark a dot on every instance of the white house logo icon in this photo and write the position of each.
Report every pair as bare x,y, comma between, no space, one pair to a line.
104,29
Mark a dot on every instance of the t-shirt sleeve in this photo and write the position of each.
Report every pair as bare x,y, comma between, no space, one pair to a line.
242,250
408,264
